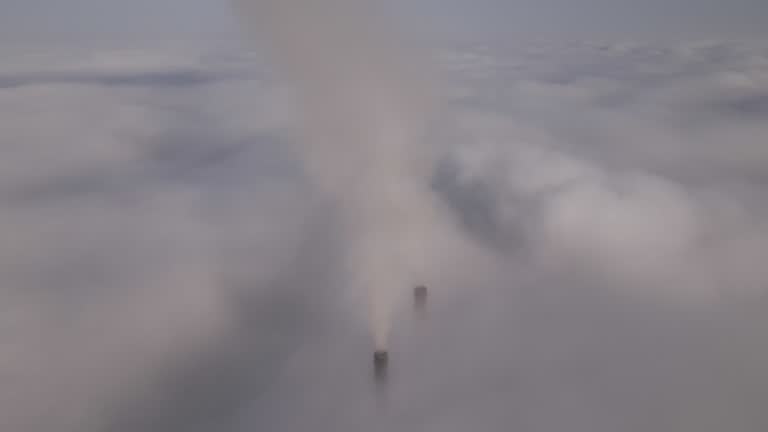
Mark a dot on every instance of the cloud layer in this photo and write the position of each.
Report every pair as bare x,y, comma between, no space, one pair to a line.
167,264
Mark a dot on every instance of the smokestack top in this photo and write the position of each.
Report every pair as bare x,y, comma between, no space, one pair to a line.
380,356
380,362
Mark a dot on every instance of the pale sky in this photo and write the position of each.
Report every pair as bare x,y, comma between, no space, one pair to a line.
602,18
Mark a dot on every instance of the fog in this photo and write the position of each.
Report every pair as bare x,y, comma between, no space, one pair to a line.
171,261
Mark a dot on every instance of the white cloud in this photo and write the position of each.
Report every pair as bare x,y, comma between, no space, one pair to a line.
639,189
119,231
135,217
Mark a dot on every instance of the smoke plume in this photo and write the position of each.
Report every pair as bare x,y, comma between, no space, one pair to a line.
365,108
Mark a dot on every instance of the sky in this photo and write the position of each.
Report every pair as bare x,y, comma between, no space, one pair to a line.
533,18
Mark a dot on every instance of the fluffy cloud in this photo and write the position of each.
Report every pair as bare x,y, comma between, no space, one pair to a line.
646,174
127,208
166,261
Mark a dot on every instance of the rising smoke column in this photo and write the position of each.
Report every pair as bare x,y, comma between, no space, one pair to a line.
365,107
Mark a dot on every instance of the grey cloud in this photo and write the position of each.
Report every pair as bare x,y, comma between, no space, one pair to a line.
167,264
163,79
122,304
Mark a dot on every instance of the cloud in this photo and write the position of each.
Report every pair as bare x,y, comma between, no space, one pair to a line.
167,263
164,67
122,209
644,181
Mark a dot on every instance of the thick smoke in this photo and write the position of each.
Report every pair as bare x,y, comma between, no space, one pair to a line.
366,108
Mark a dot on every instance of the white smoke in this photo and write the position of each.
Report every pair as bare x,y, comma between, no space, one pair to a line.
366,107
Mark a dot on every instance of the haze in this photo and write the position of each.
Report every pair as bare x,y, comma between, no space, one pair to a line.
196,215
